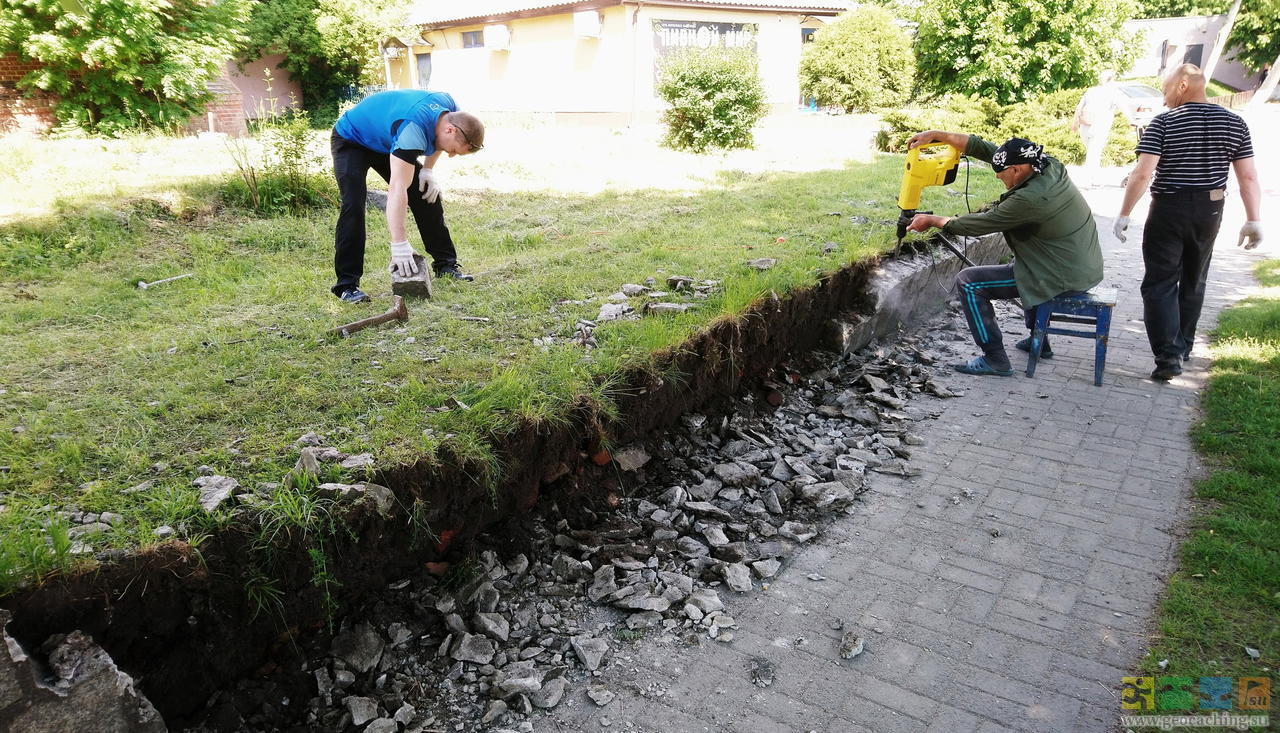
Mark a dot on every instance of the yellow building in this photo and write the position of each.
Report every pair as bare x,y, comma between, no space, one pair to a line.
592,59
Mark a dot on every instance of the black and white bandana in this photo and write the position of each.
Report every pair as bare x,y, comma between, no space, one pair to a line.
1017,150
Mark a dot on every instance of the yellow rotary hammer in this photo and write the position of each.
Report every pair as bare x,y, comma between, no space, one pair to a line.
932,164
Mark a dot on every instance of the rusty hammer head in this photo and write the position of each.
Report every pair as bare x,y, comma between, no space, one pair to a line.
398,311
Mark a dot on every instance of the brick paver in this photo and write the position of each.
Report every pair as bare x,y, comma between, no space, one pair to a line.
1029,630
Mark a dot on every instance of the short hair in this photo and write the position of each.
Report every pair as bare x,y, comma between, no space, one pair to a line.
1192,74
470,125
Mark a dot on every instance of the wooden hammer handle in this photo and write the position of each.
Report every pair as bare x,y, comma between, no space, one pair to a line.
397,312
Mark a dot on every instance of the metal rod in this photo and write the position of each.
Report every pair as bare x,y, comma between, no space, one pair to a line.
144,285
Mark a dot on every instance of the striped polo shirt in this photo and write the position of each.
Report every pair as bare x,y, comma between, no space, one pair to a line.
1196,142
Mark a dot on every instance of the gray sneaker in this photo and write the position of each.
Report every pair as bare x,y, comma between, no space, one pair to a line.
354,295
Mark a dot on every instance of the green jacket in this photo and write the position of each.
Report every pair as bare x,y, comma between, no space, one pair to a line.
1048,226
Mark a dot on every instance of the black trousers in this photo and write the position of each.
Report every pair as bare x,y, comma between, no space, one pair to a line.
977,287
1177,245
351,164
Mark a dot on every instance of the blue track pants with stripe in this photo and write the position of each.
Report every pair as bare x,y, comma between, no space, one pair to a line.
977,287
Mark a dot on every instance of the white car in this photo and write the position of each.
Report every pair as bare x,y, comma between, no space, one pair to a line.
1140,103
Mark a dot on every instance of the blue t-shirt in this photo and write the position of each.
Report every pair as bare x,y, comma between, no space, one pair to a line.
399,121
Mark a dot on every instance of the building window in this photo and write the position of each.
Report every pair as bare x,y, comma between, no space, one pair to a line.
806,34
424,70
472,39
1194,53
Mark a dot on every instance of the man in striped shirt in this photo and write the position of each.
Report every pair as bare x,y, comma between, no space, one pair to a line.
1188,149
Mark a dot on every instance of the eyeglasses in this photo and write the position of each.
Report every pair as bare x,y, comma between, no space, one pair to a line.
471,147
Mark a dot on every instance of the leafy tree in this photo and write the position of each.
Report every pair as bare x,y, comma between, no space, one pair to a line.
861,60
123,64
1255,39
328,45
714,98
1010,50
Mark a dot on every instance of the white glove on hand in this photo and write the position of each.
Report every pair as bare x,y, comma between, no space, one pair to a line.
1250,234
402,259
427,186
1122,223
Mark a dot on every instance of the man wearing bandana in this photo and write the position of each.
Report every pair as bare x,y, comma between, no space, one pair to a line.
1046,223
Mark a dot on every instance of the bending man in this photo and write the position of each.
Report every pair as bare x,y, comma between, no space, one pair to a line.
1046,223
1189,148
389,132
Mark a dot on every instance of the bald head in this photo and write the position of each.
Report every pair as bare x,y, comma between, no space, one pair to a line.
1185,83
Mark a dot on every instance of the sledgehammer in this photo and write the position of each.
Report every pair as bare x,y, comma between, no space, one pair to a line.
397,312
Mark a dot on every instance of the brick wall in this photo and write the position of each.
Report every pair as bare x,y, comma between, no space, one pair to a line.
226,111
18,112
34,114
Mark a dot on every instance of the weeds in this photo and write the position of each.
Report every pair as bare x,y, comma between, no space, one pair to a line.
264,594
280,171
324,580
460,573
420,532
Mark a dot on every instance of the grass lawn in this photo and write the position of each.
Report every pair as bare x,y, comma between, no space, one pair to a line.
104,386
1226,595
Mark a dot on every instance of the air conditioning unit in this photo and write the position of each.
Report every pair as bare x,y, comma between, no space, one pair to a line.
497,37
586,24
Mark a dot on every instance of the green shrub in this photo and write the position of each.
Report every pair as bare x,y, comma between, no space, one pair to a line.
957,113
1045,120
285,176
860,61
714,98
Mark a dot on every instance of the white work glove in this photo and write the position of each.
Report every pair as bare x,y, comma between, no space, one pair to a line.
402,259
427,186
1122,223
1250,234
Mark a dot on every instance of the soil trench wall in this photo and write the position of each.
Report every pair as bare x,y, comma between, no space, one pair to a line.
179,620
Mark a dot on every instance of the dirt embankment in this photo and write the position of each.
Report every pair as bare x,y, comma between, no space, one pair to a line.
181,620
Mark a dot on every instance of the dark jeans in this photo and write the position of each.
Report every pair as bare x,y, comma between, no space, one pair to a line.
978,286
1177,245
351,164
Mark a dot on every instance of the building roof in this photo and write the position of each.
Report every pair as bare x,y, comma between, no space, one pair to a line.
439,13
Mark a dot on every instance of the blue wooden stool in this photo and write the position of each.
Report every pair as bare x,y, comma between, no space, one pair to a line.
1092,308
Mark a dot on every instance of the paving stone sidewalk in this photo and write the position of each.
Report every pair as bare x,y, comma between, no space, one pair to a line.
1007,588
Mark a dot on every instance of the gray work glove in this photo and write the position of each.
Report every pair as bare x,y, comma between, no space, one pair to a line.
1250,234
427,186
402,259
1122,223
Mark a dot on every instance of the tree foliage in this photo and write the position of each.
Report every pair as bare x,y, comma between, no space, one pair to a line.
1045,119
861,60
1255,39
328,45
1010,50
123,64
714,97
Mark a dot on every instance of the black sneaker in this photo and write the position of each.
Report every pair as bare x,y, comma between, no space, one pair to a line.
1046,351
451,270
354,295
1165,372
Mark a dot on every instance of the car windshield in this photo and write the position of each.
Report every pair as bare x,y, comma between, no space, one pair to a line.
1139,90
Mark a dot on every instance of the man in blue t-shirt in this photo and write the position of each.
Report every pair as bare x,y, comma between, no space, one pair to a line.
400,134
